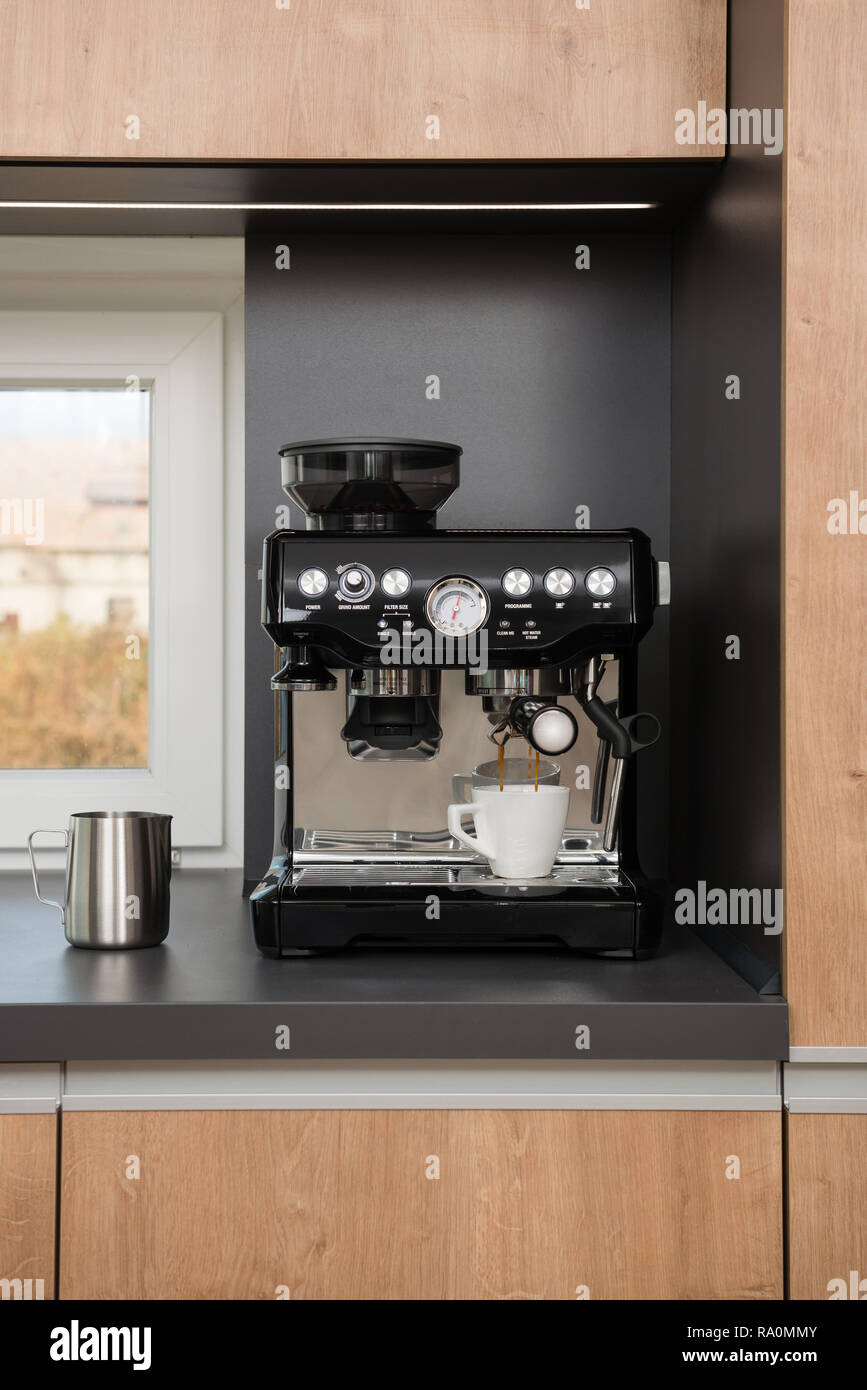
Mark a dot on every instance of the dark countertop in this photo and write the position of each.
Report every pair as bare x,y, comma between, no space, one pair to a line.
206,993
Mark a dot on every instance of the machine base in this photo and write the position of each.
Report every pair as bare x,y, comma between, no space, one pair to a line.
621,919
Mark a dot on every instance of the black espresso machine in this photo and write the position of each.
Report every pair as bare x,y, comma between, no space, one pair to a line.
404,656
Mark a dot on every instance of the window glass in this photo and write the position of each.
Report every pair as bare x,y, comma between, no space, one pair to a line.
74,576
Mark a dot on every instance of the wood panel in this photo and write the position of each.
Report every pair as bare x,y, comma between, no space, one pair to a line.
244,79
27,1203
827,1206
338,1205
826,573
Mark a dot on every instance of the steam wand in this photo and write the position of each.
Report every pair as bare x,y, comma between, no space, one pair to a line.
622,739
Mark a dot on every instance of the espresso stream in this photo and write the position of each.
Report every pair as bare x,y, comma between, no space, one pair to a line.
501,758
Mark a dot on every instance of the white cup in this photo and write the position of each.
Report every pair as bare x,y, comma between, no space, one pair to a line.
518,830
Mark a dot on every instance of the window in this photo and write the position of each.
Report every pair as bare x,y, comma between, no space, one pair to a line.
111,586
74,585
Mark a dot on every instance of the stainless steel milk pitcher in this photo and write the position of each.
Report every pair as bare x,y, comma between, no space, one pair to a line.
118,871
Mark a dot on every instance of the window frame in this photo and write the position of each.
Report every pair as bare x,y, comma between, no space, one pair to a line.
181,355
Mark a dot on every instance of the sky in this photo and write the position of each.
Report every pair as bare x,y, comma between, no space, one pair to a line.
93,413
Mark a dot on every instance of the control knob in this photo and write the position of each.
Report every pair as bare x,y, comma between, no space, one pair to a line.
355,582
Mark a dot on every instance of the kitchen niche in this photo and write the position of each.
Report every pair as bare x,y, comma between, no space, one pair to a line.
626,362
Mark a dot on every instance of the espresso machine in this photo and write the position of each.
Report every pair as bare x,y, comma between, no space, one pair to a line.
404,653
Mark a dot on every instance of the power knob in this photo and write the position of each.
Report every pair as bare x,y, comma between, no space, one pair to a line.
313,582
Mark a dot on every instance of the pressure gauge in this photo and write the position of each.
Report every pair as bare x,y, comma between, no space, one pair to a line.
456,607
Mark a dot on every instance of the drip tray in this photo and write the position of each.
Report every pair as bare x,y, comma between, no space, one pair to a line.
476,876
398,849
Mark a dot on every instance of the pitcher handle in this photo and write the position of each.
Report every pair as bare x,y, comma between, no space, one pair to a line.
49,902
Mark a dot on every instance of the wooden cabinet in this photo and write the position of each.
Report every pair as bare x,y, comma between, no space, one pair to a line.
827,1206
362,79
27,1205
430,1204
825,521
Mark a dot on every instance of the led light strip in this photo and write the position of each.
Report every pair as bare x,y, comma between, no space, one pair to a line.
324,207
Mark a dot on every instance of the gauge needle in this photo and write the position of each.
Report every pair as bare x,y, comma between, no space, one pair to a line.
458,604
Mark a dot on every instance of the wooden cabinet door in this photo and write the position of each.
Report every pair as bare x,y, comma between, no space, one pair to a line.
252,1205
827,1206
361,79
623,1204
421,1205
825,421
27,1205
